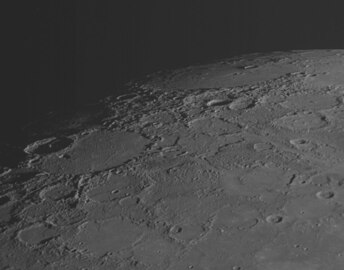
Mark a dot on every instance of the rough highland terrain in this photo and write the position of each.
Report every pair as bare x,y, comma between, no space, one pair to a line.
237,165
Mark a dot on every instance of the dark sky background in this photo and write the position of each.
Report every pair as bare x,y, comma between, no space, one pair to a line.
63,53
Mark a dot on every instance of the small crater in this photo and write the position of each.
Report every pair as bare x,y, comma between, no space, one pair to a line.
48,146
325,195
217,102
303,182
241,103
127,96
37,234
249,67
177,229
96,152
304,121
298,141
108,236
303,144
58,192
65,156
274,219
67,217
262,146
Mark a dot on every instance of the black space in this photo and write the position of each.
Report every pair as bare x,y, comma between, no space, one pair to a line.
63,53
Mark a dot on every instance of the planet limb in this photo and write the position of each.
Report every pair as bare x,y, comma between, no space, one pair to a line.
237,164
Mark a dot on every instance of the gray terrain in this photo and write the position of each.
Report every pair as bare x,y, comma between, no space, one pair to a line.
234,165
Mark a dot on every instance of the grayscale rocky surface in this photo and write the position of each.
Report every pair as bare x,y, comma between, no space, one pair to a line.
234,165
